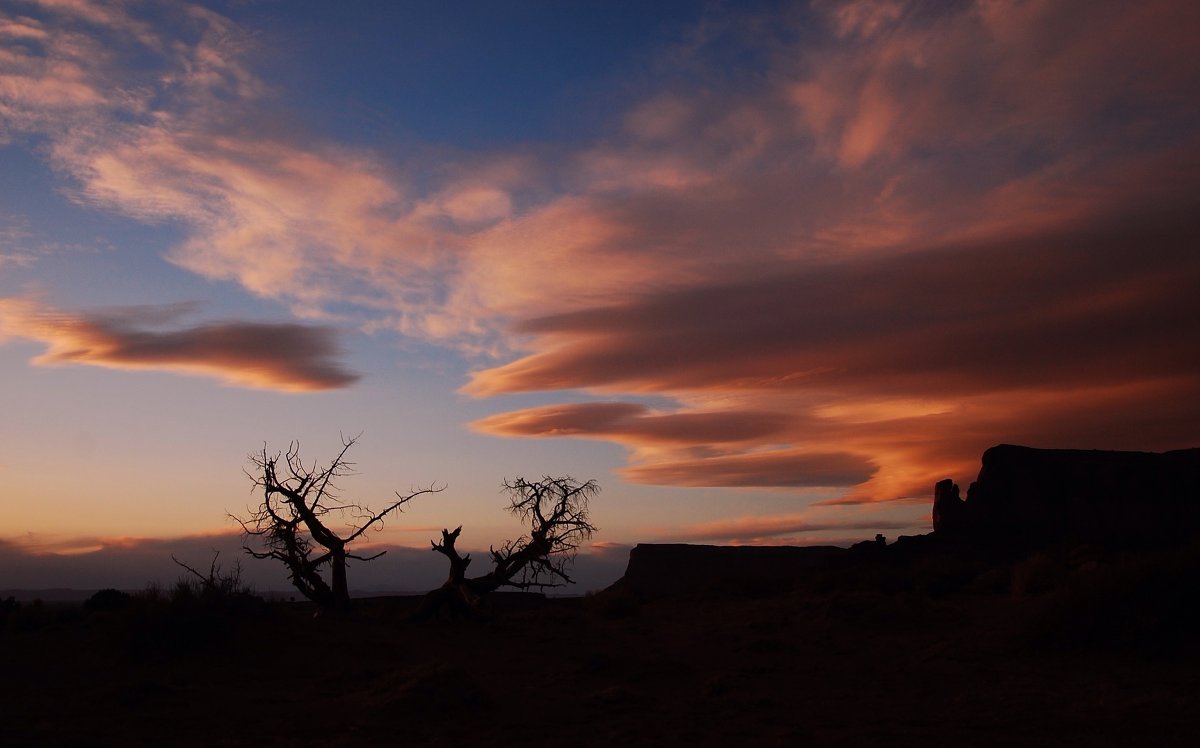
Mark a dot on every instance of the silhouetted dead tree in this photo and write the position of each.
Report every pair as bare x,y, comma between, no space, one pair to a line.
293,521
556,510
215,586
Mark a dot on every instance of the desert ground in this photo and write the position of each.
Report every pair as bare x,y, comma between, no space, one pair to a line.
1052,649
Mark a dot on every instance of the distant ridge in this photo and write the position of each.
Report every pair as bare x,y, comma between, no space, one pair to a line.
49,595
1023,498
70,595
658,569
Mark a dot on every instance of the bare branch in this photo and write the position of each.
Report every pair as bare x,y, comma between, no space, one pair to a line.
378,517
556,510
191,569
294,522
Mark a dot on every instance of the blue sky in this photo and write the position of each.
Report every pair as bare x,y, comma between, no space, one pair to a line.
468,76
765,271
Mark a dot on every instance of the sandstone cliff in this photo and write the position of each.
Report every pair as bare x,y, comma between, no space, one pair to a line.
1073,494
680,569
1024,498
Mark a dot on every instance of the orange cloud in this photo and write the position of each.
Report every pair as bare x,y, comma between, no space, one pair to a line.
1074,307
887,247
914,363
699,183
689,448
768,529
285,357
980,73
774,468
635,421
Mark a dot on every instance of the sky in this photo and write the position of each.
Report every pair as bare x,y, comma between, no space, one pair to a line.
765,271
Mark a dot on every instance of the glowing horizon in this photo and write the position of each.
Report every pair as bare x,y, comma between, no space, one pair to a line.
766,272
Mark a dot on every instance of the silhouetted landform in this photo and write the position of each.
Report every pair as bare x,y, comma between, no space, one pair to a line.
1024,499
934,639
658,569
48,595
1035,496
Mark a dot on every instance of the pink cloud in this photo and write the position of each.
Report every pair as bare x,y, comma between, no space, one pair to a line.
749,530
916,362
1078,303
285,357
986,73
634,421
908,236
775,468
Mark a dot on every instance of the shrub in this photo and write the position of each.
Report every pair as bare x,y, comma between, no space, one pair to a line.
107,600
215,589
1037,574
1145,603
151,594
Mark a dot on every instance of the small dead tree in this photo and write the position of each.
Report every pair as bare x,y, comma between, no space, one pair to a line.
556,510
215,587
293,522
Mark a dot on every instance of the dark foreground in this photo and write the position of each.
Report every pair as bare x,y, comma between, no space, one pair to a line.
1055,649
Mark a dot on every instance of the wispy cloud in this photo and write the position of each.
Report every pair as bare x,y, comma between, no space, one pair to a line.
279,356
795,468
638,421
1074,307
990,289
907,232
749,530
925,357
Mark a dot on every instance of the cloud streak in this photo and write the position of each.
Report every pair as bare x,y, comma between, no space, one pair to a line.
1072,307
759,529
903,233
873,356
793,468
630,420
278,356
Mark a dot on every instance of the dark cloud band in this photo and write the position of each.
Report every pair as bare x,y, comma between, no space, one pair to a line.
280,356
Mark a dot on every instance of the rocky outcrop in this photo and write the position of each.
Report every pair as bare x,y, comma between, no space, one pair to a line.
948,506
1072,494
669,569
1023,498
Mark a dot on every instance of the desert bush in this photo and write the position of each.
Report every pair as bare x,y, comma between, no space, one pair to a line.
30,615
1037,573
151,594
216,588
185,622
107,600
1141,603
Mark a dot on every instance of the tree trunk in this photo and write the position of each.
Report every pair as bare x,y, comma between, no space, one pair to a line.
456,596
337,563
463,597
